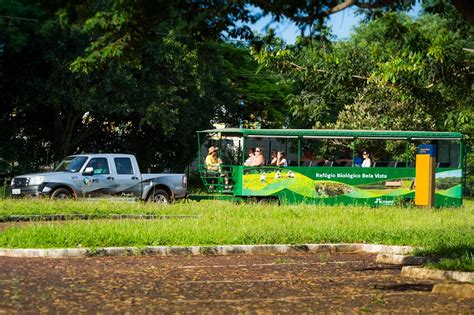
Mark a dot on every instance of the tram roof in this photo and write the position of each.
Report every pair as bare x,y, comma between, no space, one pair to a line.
336,133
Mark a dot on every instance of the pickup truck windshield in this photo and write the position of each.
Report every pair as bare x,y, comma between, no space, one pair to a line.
71,164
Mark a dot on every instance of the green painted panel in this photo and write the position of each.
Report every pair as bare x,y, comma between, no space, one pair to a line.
345,185
341,185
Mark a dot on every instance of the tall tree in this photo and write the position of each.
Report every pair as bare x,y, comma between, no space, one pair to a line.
120,28
182,85
255,97
394,73
18,25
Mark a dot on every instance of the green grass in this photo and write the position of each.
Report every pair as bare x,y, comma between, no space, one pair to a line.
462,261
29,206
445,233
4,191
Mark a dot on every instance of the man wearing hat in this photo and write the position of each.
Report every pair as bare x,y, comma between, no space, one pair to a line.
212,161
213,166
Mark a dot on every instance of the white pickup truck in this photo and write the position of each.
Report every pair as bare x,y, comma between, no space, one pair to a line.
99,175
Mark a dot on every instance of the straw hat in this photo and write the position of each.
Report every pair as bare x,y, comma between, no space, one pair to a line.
212,149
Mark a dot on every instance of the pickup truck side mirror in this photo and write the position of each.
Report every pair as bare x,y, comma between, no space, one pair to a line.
88,171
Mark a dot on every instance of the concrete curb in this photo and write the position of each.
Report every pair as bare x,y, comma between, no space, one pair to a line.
386,249
205,250
406,260
436,274
53,253
462,290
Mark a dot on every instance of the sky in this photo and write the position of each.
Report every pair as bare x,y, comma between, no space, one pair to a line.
342,23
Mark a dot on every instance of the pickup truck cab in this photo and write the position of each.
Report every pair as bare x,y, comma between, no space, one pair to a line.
100,175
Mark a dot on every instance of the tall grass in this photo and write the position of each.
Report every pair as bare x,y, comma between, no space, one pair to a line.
227,223
4,190
33,206
442,233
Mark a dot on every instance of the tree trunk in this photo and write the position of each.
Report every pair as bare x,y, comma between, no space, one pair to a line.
64,127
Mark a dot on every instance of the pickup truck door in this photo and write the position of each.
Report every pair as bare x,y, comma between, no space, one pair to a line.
127,178
101,182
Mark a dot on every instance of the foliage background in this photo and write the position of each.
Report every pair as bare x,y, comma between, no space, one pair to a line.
141,77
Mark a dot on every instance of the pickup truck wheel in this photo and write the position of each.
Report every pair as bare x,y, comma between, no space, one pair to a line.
61,193
160,196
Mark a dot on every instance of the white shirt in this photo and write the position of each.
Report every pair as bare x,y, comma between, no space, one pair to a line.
249,161
283,163
366,163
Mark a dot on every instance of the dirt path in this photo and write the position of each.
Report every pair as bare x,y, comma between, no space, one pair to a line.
7,225
221,284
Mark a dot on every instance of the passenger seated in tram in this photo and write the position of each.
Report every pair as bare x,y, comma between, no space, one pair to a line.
273,160
259,159
358,159
248,161
281,161
367,162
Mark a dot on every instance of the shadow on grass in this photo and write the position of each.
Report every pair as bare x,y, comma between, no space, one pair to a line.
446,251
459,257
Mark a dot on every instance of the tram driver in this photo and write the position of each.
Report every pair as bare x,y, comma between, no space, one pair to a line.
213,167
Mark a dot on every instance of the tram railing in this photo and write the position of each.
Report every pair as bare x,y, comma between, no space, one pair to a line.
221,180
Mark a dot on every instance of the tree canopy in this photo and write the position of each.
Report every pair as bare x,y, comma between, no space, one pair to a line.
394,73
118,29
143,76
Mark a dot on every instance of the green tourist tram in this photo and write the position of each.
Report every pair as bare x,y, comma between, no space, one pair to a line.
389,181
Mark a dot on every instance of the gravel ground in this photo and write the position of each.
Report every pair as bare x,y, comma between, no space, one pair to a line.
346,283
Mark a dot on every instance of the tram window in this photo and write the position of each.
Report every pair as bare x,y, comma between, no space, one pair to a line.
447,154
312,151
385,152
326,152
381,164
228,149
269,144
